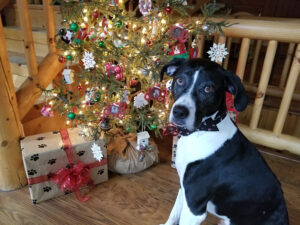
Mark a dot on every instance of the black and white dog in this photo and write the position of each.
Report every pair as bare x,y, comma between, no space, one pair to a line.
220,171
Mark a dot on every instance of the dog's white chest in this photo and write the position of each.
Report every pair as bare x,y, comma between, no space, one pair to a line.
200,145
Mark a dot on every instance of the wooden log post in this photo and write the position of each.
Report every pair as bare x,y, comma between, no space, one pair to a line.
287,64
12,174
228,46
288,93
255,60
50,25
241,66
28,37
263,83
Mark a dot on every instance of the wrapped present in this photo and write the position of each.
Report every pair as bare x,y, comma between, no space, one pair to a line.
62,162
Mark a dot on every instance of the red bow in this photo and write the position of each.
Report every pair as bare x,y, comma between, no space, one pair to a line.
73,179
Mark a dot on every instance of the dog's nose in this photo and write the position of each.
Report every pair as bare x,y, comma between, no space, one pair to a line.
180,112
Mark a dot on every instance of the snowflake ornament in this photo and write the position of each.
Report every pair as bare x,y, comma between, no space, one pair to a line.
140,101
97,152
88,60
217,53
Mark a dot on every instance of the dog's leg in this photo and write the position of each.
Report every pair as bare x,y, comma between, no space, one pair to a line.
176,211
187,217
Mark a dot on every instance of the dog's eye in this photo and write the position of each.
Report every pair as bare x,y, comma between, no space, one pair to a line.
180,81
208,89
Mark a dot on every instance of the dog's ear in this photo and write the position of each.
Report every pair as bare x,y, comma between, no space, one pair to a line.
234,86
171,67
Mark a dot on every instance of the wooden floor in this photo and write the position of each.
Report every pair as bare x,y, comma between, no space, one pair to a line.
142,199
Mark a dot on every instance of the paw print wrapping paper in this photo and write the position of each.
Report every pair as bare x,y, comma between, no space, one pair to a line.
44,155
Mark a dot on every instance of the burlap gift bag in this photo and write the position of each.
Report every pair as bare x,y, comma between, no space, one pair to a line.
123,156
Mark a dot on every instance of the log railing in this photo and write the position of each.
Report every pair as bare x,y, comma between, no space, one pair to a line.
272,32
16,105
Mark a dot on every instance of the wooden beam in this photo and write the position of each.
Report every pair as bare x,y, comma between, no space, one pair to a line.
28,37
50,25
271,140
3,3
228,46
30,90
12,174
287,64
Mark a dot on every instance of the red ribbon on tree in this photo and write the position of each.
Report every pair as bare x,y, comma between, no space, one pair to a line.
75,177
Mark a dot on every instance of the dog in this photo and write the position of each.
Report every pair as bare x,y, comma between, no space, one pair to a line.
220,171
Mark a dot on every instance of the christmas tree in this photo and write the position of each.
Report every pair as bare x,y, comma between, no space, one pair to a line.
114,53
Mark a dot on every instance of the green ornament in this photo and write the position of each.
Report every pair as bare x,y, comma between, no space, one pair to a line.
129,129
153,126
71,116
69,57
118,24
98,96
77,41
101,44
74,27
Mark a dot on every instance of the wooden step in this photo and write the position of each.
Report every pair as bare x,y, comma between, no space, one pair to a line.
14,40
37,16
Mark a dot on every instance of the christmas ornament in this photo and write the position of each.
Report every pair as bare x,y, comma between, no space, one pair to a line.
153,126
105,124
47,111
142,140
69,57
145,6
129,129
133,83
71,116
68,76
115,70
95,14
125,97
217,52
88,60
79,87
119,23
77,41
116,109
205,27
97,152
139,101
148,43
74,27
66,35
119,42
113,2
81,35
92,95
104,24
145,72
62,59
155,93
181,35
92,35
168,10
193,50
170,129
169,85
101,44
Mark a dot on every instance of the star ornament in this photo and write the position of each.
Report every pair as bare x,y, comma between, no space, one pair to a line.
88,60
217,52
140,101
97,152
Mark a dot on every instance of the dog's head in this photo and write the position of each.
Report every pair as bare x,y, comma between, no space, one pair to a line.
199,89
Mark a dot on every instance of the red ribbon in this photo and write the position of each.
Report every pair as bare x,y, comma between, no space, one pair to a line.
75,177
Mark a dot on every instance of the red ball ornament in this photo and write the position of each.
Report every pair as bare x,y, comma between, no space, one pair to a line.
148,43
119,77
117,69
62,59
95,14
168,10
79,87
133,83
